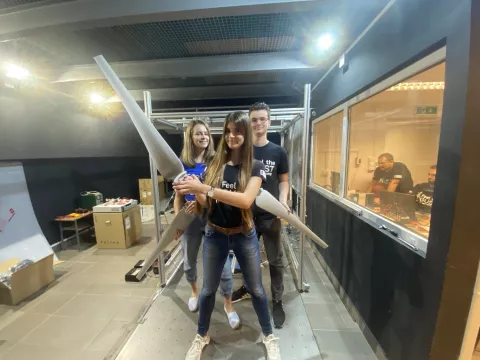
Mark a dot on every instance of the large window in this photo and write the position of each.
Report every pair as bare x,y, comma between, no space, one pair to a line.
396,135
385,169
327,151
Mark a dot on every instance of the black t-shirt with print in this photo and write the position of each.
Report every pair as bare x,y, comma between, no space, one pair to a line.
275,159
228,216
400,172
424,196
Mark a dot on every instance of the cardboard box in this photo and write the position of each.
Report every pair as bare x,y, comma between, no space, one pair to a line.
118,230
27,281
146,192
116,207
147,212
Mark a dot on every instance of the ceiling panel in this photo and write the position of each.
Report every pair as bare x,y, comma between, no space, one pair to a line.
241,46
12,4
183,38
265,77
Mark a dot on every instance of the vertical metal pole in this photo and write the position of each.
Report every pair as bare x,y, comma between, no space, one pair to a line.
303,197
344,154
156,197
290,160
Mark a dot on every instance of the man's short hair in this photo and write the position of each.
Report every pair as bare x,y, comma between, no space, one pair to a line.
259,106
387,156
433,167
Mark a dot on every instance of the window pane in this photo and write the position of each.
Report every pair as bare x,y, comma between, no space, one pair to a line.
327,137
393,150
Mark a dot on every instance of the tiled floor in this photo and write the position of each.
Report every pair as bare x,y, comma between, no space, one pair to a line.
318,326
90,313
86,313
337,335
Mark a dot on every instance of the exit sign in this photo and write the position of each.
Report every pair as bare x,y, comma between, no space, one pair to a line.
426,110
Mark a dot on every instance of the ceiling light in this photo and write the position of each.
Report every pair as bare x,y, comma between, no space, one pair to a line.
325,42
96,99
15,71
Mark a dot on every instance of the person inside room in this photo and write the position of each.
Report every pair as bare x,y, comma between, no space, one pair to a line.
391,176
424,192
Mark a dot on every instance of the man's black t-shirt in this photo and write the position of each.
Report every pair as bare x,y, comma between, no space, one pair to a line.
275,159
228,216
424,196
400,172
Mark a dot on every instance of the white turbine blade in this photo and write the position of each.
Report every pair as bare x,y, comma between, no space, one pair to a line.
267,202
167,163
180,222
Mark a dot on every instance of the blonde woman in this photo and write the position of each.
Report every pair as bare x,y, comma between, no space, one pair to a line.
197,152
232,182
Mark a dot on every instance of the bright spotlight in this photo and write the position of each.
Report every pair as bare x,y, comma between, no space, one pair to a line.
96,99
325,42
15,71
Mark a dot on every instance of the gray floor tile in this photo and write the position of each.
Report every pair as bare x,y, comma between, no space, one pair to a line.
325,317
349,322
91,306
5,346
29,352
91,355
74,333
343,345
18,329
110,335
51,303
317,294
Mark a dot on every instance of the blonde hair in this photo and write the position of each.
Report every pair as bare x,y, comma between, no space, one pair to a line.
188,152
214,172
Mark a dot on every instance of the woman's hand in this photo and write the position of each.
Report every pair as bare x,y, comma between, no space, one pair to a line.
189,185
190,207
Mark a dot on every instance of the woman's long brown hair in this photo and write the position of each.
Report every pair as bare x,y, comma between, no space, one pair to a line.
188,152
214,172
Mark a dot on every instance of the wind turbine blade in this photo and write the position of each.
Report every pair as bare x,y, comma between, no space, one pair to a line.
167,163
267,202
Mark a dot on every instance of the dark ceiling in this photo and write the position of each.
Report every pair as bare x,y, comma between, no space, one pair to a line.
214,48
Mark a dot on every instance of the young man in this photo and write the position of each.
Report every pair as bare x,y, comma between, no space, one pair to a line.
268,226
424,192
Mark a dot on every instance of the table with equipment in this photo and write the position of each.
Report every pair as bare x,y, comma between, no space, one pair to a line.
74,222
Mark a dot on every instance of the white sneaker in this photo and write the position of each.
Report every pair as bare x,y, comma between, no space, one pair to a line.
233,319
193,304
196,349
273,349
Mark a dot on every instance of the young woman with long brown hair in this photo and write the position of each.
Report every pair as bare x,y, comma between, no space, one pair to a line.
197,152
233,180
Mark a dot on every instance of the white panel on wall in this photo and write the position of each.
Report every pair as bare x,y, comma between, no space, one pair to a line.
20,234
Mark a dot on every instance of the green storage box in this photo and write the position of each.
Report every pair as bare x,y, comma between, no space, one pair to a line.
89,199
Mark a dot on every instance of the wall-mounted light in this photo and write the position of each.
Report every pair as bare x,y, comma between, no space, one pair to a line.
419,85
16,72
325,41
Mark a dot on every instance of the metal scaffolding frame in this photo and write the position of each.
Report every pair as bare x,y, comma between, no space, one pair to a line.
282,120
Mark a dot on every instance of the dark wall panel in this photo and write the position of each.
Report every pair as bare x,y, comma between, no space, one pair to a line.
396,291
36,127
55,184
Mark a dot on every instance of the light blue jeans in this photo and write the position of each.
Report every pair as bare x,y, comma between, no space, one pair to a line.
216,247
190,241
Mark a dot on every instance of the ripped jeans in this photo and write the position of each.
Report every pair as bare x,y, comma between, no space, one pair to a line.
216,246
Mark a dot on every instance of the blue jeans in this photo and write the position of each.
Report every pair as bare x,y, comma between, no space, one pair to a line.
216,246
191,240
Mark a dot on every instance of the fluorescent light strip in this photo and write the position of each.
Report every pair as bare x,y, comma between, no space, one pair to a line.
408,86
